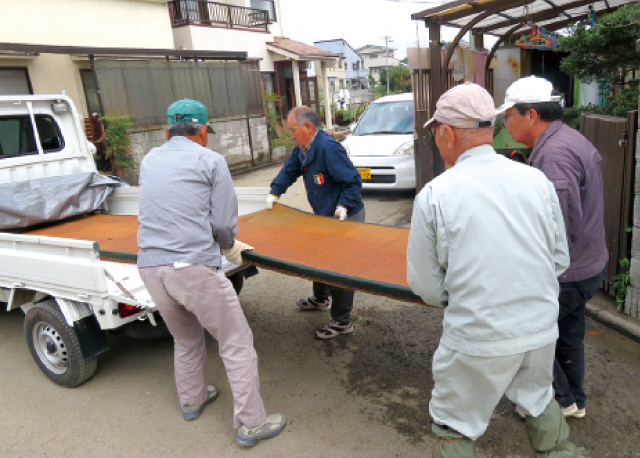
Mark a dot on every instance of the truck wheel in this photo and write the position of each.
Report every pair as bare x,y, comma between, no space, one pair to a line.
237,280
55,346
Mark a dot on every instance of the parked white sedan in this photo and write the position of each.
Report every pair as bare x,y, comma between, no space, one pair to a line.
381,145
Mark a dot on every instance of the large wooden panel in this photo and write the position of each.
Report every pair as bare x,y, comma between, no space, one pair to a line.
359,256
365,257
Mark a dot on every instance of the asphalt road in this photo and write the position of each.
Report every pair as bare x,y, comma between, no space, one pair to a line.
362,395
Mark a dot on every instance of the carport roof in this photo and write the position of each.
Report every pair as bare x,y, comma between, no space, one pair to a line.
502,16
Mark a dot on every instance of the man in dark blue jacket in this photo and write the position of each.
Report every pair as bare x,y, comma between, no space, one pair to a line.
333,189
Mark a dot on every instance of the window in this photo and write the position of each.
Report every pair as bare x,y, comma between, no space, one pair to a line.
14,81
355,65
17,137
373,56
386,118
339,63
90,92
265,5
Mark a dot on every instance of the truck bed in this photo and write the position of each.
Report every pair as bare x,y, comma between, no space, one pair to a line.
116,235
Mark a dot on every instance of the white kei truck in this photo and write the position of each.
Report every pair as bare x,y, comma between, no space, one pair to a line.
80,284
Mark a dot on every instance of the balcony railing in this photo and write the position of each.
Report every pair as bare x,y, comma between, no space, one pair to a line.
189,12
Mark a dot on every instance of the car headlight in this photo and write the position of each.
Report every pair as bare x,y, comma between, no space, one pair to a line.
404,150
346,148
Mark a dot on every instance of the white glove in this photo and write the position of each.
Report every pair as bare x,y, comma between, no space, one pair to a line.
234,254
271,198
341,213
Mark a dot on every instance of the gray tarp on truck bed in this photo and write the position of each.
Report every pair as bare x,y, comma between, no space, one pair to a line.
27,203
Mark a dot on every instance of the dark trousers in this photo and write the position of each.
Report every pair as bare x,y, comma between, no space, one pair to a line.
341,298
568,368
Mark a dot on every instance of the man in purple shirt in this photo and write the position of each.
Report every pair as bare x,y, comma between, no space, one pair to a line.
533,117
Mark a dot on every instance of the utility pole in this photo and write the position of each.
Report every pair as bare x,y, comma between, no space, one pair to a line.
387,40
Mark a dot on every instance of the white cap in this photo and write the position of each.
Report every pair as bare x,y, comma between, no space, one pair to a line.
466,105
531,89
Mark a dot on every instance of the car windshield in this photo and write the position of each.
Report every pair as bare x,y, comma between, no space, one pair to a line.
386,118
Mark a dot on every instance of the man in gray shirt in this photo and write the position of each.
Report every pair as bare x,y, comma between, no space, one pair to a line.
188,220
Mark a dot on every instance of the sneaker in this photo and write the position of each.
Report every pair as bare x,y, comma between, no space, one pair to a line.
273,426
573,411
191,412
311,303
334,329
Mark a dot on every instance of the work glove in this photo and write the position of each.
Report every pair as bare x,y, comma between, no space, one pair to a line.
271,198
234,254
341,213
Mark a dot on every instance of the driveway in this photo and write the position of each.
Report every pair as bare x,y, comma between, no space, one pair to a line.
363,396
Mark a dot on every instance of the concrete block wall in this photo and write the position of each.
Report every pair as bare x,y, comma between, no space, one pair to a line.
632,302
231,140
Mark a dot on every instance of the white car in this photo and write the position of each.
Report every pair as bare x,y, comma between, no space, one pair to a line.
381,145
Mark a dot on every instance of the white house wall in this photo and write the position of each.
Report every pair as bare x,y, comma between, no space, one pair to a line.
66,76
225,39
97,23
90,23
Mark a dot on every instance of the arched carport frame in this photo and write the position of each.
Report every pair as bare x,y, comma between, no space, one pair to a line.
501,18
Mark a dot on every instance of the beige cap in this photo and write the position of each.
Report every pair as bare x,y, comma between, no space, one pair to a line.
531,89
467,105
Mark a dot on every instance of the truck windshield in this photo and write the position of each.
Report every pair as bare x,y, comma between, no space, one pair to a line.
386,118
17,137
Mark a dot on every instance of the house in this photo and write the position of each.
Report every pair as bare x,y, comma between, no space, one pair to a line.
138,56
377,57
351,66
254,27
348,81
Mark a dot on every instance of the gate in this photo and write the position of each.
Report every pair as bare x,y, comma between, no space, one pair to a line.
615,140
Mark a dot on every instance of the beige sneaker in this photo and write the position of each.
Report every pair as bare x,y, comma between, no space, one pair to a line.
573,411
273,426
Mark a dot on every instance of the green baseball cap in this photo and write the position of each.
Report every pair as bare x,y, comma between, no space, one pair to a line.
187,110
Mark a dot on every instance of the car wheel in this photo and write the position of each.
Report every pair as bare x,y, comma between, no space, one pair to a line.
55,347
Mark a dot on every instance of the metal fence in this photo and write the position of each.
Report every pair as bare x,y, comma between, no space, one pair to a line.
186,12
144,89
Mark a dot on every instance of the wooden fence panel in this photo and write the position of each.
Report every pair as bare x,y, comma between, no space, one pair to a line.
610,136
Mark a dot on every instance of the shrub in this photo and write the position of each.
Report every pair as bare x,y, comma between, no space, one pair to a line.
118,142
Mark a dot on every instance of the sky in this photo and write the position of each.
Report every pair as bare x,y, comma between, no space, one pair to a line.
359,22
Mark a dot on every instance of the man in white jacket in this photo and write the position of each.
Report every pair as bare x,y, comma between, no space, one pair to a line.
487,243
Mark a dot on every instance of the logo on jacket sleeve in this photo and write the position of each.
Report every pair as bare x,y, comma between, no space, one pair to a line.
318,179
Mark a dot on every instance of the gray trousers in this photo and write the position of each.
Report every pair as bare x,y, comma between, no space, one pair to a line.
194,298
468,388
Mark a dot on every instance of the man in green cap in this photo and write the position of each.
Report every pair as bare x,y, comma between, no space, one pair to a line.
188,221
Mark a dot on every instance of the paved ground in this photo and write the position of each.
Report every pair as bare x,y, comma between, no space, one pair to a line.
362,396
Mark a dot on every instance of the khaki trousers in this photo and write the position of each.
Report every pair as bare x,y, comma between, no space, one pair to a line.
191,299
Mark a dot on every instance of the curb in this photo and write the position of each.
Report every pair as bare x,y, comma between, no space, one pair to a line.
602,309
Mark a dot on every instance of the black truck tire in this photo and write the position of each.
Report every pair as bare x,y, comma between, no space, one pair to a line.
55,347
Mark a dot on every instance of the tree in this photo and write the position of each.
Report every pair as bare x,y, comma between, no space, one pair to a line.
602,51
399,81
606,52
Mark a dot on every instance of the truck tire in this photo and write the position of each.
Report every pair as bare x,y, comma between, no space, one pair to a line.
55,347
237,280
